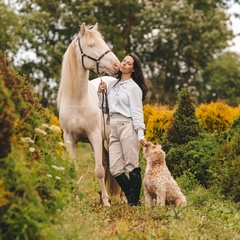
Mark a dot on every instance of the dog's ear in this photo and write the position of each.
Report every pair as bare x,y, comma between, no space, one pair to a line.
154,156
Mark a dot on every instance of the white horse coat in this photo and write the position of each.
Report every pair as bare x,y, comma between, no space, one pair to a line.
79,114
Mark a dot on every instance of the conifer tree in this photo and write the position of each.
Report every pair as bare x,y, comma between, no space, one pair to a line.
184,126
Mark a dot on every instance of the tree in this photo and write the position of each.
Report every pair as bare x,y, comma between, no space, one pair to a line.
222,79
180,40
51,26
175,41
9,31
118,19
184,126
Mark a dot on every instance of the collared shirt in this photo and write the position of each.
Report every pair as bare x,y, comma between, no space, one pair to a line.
126,98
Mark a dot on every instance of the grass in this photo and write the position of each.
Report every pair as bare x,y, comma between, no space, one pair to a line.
206,216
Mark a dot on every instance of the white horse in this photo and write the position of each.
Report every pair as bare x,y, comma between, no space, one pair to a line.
80,117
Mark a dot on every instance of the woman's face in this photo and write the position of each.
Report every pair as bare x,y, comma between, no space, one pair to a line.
127,65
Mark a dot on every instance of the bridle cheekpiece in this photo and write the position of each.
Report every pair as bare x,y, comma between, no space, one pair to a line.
94,59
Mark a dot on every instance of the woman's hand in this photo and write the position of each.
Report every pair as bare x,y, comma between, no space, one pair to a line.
102,86
143,141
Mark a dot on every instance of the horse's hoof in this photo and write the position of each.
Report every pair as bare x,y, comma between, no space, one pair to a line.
106,204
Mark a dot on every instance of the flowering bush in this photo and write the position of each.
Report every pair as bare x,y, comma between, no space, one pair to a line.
157,120
216,116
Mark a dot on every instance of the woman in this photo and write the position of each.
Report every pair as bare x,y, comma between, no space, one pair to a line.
125,96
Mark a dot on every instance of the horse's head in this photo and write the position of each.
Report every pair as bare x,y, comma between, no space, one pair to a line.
94,53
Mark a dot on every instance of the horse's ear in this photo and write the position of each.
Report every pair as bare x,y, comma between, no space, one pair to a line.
83,28
95,26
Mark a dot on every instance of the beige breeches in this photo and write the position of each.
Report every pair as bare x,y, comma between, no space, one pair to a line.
123,146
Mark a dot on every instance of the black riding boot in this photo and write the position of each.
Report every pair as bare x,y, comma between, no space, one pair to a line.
124,183
135,187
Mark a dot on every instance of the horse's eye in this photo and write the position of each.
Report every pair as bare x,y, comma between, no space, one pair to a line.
91,45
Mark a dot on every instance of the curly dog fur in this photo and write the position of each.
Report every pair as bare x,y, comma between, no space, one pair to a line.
158,182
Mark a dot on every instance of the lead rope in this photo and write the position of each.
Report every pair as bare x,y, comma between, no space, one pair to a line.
105,103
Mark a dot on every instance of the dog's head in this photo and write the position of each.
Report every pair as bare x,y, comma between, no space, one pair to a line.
154,154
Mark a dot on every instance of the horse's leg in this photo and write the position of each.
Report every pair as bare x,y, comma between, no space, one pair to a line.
96,142
70,146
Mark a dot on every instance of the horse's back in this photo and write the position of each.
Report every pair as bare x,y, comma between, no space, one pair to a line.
107,79
93,87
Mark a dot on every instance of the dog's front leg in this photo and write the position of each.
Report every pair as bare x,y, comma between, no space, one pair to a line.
148,198
161,197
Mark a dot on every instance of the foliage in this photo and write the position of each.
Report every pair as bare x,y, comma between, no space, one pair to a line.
184,126
234,128
195,157
148,111
216,117
10,30
157,119
222,79
174,41
36,176
226,164
39,198
7,119
187,147
83,218
180,40
4,195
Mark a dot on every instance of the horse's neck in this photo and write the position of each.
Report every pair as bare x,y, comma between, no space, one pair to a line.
80,88
81,85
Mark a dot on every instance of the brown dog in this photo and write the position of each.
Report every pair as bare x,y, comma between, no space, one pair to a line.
158,182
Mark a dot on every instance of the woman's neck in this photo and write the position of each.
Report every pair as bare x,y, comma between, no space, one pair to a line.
125,77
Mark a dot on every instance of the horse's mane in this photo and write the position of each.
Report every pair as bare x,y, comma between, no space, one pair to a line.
70,63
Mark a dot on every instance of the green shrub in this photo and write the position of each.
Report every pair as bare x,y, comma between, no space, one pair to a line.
184,125
194,157
7,119
226,164
188,182
36,176
23,217
198,156
173,160
234,128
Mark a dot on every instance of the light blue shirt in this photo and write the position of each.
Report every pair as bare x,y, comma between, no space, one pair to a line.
126,98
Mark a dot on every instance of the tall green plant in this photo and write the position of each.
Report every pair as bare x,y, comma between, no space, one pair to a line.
184,126
36,176
7,118
226,164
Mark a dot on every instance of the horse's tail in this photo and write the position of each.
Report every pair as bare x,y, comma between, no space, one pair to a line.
112,186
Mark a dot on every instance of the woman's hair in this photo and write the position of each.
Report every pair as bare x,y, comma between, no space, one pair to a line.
137,75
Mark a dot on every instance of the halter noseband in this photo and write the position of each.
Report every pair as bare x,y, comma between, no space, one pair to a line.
94,59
